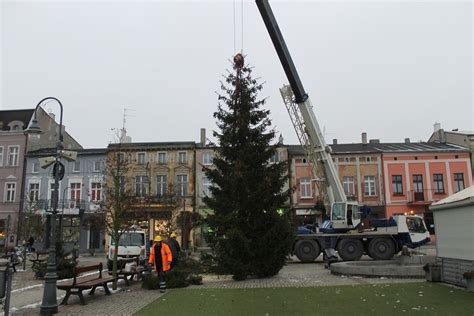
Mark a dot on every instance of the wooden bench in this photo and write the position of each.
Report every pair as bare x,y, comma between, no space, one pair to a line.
37,257
128,275
90,282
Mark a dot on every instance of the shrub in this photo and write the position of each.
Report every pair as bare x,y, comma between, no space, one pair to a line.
64,266
185,273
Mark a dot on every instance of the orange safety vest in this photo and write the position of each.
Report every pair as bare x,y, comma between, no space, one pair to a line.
166,256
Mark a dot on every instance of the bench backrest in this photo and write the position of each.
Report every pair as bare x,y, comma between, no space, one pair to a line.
83,269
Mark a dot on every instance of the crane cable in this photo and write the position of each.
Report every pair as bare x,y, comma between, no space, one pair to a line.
242,26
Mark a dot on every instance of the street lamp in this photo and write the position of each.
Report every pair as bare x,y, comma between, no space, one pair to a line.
49,305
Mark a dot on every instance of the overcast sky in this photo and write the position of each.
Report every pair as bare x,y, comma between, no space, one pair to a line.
390,69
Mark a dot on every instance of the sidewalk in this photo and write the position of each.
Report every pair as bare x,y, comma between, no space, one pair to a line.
27,295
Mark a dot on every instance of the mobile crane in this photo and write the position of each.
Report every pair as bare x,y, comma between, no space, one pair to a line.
344,232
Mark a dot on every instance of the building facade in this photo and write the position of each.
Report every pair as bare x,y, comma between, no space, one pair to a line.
384,178
81,194
163,177
456,137
418,174
13,146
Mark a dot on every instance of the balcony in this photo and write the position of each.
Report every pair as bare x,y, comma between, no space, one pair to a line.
66,206
424,197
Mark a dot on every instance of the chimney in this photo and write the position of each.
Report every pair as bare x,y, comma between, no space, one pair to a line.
280,140
334,141
203,136
364,138
407,140
124,139
374,141
436,127
441,136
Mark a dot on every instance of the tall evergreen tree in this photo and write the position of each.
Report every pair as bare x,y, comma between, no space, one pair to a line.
249,236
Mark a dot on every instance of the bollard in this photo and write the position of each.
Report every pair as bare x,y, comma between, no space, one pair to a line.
5,284
3,277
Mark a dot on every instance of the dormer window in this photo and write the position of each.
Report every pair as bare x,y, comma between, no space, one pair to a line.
16,125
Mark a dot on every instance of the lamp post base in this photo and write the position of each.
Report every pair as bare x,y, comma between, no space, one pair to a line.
49,305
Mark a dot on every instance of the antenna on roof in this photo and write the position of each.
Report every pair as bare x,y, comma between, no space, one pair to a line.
123,131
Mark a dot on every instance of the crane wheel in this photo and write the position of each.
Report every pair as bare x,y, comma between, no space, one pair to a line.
350,249
307,250
381,249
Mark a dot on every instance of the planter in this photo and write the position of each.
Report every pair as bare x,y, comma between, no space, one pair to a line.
469,276
470,285
433,272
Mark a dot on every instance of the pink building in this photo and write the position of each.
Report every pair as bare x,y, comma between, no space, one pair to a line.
418,174
385,178
13,146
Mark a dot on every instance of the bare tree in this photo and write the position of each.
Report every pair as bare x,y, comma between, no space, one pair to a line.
118,202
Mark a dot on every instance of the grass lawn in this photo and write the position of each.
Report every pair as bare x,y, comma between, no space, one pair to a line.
381,299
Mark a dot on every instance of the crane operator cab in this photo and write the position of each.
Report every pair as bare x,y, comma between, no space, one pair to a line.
345,215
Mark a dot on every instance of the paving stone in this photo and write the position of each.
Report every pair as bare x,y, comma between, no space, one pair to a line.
28,292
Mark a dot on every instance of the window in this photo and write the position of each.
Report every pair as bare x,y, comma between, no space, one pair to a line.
13,152
415,225
161,185
35,167
51,193
120,157
10,189
76,167
122,184
96,191
71,228
418,187
141,158
275,157
97,166
458,182
75,194
369,186
206,184
348,184
207,159
397,185
1,156
418,183
438,183
34,192
141,186
305,188
162,159
182,185
182,157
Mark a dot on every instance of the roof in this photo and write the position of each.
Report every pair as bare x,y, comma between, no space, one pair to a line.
463,197
379,148
8,116
152,145
52,151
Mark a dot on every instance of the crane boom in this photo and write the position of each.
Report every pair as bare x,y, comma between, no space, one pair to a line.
307,128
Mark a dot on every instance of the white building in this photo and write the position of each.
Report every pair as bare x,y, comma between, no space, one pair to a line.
454,223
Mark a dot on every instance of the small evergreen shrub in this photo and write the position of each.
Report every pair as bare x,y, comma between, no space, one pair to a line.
64,265
185,273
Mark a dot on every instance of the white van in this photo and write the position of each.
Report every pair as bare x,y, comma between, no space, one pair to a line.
132,244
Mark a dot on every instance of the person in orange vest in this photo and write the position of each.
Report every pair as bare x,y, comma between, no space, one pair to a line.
160,256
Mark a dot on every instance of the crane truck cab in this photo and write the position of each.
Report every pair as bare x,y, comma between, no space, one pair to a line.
345,215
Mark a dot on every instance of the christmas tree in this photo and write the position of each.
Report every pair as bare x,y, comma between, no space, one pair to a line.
249,236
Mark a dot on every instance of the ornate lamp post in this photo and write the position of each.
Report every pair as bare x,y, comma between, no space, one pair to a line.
49,304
